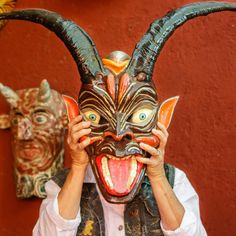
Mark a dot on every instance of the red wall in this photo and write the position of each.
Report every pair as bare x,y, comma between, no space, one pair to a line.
197,63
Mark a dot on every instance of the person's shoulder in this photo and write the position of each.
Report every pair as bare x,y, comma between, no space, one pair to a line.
54,185
175,175
51,188
182,181
60,177
180,176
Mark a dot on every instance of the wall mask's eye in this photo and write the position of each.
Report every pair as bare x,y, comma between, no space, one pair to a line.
141,115
91,115
40,117
17,116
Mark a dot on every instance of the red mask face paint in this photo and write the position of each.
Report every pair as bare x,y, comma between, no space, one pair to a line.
37,120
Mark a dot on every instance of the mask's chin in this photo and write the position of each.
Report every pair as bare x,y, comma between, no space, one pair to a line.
118,178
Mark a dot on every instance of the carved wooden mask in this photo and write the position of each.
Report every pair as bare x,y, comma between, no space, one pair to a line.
37,120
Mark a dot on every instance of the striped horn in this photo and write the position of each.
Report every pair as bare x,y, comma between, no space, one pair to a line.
148,49
44,92
77,41
10,95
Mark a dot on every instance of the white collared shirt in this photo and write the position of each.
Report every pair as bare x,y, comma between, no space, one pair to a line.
50,223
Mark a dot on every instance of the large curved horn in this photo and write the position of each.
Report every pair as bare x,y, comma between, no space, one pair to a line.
78,42
9,94
44,94
149,48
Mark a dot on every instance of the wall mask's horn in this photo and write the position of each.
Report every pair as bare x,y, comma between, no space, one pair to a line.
9,94
44,94
78,42
148,49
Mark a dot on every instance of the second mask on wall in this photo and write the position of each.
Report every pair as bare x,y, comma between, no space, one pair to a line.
37,120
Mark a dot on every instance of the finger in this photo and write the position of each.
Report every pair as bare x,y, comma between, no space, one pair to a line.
163,129
83,144
80,126
144,160
153,151
75,137
75,120
161,136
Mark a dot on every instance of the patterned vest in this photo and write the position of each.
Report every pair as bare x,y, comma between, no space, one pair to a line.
141,216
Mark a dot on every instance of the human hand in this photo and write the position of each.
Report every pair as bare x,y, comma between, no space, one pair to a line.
155,164
76,130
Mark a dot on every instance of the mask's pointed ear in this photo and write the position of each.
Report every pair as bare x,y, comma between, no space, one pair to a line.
166,111
71,107
5,121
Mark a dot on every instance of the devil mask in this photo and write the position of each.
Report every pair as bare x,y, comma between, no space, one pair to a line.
37,120
118,95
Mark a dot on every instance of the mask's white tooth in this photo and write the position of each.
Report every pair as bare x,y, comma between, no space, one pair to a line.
133,171
106,172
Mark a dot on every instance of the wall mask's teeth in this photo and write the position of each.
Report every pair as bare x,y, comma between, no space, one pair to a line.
106,172
133,171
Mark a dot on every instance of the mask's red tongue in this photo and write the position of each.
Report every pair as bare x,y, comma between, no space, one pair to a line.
119,171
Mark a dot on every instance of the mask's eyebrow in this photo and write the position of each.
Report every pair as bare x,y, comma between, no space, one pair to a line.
37,110
100,98
132,97
16,111
100,102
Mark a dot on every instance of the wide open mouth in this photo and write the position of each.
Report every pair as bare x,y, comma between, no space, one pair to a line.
118,174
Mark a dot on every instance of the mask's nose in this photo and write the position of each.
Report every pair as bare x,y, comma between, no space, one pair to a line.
24,129
119,137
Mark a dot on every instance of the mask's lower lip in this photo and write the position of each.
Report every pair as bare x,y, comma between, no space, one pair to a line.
119,175
29,153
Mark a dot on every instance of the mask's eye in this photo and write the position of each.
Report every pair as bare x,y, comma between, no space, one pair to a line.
141,115
40,118
91,115
17,116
